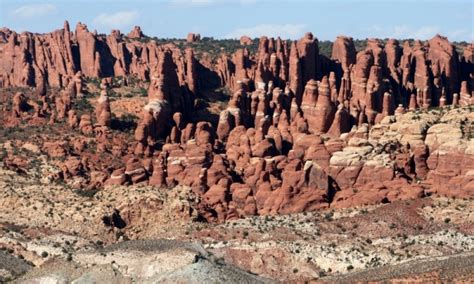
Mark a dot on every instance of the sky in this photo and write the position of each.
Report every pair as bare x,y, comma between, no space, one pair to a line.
361,19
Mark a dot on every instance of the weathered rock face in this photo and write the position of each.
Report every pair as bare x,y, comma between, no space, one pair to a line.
433,72
73,119
465,95
340,172
90,57
308,103
343,51
64,101
19,105
300,131
172,90
341,123
295,78
245,40
324,107
308,52
192,37
191,71
155,117
444,65
54,58
240,61
85,125
102,111
136,33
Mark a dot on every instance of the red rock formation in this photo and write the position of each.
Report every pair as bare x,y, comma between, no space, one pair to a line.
444,63
343,51
78,84
73,119
64,101
278,147
53,63
136,33
239,60
308,103
90,62
191,72
341,123
324,108
295,78
245,40
359,77
223,70
19,104
465,95
85,125
120,52
193,37
102,110
308,51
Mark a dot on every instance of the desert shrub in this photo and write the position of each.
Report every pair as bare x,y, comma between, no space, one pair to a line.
83,105
86,193
328,216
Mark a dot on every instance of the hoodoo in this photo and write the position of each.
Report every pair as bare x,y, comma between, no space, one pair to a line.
235,156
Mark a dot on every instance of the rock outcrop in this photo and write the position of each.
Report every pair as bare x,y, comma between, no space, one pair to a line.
136,33
193,37
102,111
245,40
300,131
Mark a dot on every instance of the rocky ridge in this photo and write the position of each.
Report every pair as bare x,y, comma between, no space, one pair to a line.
300,131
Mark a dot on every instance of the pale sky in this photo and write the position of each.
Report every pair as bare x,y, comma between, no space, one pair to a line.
420,19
